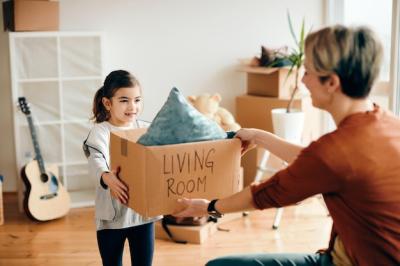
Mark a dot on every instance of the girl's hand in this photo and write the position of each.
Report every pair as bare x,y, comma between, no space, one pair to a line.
247,136
191,207
117,188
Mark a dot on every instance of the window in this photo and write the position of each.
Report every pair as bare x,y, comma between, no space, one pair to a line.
378,16
383,17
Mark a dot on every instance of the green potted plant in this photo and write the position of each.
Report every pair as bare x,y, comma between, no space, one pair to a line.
281,57
287,122
295,58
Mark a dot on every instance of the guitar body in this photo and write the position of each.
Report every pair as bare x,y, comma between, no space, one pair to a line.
44,199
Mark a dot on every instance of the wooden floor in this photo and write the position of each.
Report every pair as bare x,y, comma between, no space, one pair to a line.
72,240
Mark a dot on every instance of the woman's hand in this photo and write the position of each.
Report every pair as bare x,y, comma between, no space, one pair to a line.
117,188
191,207
247,136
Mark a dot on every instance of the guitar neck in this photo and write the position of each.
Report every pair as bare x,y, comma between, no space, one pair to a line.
35,142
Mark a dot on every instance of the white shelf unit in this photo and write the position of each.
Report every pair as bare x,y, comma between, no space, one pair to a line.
58,73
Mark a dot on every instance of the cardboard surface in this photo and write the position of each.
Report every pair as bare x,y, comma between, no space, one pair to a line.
191,234
255,112
194,234
158,175
251,161
31,15
269,81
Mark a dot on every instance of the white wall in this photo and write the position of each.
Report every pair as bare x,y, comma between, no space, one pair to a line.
193,45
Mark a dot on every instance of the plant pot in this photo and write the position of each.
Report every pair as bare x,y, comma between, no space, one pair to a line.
288,125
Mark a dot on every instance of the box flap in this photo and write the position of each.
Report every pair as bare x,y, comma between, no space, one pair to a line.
136,178
260,70
131,135
131,158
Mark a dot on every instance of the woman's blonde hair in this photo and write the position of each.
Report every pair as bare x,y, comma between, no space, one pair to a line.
354,54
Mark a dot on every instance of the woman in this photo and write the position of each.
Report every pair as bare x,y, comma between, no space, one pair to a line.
356,168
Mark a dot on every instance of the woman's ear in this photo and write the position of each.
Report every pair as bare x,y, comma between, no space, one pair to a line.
107,103
333,83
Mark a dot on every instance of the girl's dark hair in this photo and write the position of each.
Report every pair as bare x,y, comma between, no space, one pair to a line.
114,81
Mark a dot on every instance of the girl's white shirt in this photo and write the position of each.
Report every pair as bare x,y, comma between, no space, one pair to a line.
109,212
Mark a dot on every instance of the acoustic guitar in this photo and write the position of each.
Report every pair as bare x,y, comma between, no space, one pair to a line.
45,197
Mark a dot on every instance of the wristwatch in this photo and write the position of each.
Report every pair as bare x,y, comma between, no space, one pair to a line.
212,211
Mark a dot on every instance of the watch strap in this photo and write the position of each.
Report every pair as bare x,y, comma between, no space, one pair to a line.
212,210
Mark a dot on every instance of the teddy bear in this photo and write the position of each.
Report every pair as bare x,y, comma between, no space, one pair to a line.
208,105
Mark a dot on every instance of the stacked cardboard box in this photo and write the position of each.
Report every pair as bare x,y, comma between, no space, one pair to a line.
267,89
31,15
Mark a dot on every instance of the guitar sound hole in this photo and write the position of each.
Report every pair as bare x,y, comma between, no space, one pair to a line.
52,185
44,177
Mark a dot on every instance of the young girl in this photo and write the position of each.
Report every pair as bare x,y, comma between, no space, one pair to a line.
116,106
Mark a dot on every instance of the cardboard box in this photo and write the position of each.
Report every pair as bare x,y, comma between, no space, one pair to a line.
158,175
270,82
255,112
31,15
194,234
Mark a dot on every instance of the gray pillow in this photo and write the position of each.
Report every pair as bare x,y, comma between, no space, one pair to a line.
179,122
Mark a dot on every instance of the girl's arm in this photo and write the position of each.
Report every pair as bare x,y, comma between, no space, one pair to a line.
118,189
285,150
97,143
105,178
